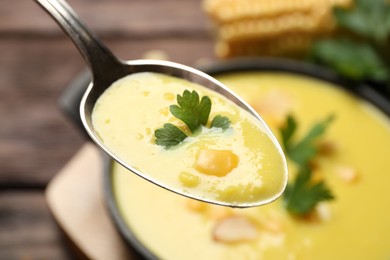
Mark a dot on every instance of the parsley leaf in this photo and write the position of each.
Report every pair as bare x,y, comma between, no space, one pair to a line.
192,112
304,150
356,60
221,122
301,196
363,52
169,135
369,18
288,130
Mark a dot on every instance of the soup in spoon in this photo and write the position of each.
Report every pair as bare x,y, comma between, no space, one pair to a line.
230,157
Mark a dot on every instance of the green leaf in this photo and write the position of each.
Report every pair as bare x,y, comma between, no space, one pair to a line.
302,154
351,59
192,112
288,130
368,18
315,132
304,150
169,135
221,122
302,195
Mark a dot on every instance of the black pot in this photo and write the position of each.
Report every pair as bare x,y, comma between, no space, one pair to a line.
70,101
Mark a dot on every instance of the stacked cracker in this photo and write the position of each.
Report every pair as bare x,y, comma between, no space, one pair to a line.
270,27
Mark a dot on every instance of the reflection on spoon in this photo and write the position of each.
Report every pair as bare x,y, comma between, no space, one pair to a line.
107,70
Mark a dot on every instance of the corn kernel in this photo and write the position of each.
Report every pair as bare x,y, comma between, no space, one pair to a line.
215,162
188,179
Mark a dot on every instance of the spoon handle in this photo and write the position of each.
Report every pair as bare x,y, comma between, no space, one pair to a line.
97,56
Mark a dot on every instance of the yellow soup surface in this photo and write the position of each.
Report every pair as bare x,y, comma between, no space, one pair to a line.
239,165
355,225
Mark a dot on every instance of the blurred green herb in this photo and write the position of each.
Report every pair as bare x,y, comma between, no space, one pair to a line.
365,53
304,150
194,112
352,59
367,18
302,194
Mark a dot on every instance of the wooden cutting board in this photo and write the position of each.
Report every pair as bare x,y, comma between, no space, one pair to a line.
76,198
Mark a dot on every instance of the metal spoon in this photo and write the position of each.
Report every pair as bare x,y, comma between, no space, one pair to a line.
106,69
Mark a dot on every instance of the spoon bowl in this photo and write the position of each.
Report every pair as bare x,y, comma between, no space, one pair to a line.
106,69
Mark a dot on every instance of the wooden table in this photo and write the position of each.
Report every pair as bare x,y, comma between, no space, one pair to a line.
37,62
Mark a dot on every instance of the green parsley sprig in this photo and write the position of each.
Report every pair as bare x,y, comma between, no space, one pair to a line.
362,52
169,135
194,112
304,150
190,110
220,122
303,193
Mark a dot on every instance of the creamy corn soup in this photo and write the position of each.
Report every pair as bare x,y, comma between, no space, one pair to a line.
355,225
240,165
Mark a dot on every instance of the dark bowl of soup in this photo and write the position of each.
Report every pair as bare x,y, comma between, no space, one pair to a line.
353,161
